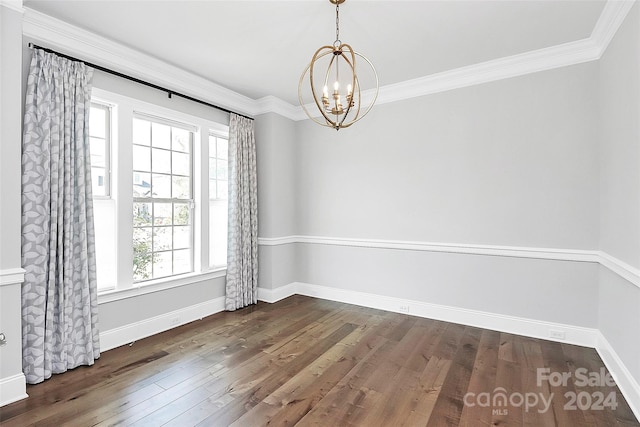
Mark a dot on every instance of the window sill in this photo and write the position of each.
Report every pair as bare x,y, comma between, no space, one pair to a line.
158,285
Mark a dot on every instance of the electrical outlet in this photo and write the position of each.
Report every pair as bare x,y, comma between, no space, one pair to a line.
175,321
404,308
558,335
3,339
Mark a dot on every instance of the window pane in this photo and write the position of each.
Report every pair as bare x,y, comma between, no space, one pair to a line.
141,184
141,264
98,181
212,189
161,186
141,132
141,214
97,122
142,238
162,264
212,169
223,189
181,187
98,152
181,164
160,135
141,158
181,139
181,237
162,240
142,255
105,232
181,214
182,261
212,146
162,214
217,234
223,148
161,161
221,169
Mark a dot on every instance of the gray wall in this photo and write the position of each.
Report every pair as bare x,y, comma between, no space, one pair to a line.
277,183
124,312
11,138
512,162
509,163
10,177
619,300
546,290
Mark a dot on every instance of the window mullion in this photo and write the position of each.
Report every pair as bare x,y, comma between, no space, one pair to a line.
124,206
201,196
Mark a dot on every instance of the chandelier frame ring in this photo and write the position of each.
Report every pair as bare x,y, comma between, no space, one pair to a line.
328,122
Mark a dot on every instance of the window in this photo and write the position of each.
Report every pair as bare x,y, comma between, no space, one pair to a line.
100,140
100,133
161,184
162,198
218,189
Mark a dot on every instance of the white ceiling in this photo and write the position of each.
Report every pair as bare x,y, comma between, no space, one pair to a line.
260,48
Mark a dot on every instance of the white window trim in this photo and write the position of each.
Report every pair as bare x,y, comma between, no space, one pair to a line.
127,107
156,285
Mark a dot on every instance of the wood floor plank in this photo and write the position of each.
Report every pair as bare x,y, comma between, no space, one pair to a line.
305,361
482,380
450,403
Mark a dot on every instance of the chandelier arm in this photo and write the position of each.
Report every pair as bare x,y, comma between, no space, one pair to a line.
326,75
352,65
304,108
316,56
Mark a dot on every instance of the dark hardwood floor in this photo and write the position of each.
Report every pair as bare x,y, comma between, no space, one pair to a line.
307,361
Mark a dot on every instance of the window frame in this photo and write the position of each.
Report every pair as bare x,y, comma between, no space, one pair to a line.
218,201
124,109
107,107
190,201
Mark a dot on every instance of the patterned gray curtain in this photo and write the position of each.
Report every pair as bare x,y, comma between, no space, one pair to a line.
242,249
59,294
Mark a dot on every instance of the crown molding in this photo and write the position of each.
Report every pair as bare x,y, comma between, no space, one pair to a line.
610,20
13,4
91,47
273,104
94,48
572,53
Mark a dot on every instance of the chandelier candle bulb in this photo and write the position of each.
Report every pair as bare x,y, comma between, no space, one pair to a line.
338,61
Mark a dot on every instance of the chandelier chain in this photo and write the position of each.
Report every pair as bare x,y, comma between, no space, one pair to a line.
337,22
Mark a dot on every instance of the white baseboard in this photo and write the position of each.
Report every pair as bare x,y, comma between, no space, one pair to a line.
13,388
277,294
135,331
498,322
623,378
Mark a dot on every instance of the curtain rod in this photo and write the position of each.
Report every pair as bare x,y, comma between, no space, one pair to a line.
142,82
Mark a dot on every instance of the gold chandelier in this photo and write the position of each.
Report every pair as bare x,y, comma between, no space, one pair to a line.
337,64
